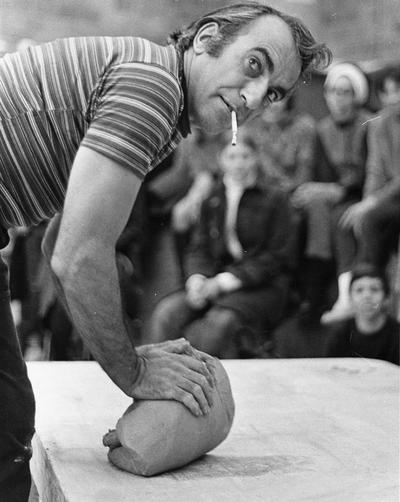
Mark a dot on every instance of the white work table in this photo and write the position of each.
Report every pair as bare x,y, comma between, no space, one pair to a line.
323,430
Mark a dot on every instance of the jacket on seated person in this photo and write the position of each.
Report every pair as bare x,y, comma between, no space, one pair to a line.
383,166
263,229
341,153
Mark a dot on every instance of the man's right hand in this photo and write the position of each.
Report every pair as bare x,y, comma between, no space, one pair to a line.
175,370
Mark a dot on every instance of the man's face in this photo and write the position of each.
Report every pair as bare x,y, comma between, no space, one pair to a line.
368,297
260,66
275,112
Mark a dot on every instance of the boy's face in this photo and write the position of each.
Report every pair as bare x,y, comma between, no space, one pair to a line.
259,67
368,296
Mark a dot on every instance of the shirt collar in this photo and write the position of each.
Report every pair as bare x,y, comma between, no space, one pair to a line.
184,122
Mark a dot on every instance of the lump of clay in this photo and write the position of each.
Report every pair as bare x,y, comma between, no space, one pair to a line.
155,436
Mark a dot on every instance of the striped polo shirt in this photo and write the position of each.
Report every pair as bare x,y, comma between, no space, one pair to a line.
120,96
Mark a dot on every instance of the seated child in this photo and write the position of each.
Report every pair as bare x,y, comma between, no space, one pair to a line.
372,333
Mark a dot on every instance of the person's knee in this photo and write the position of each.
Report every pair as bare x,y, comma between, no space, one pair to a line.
165,311
165,318
223,319
215,331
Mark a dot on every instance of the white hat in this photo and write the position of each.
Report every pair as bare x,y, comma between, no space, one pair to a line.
357,78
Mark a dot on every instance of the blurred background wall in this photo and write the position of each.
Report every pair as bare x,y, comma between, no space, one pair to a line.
364,31
356,29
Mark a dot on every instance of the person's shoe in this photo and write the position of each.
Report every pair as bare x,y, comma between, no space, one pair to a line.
339,312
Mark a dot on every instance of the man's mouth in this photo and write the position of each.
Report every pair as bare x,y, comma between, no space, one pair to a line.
230,108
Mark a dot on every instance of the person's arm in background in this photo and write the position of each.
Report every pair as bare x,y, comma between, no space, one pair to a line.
304,156
195,162
379,185
383,166
198,261
322,183
186,211
99,200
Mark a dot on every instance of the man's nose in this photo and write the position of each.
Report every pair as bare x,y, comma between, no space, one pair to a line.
254,94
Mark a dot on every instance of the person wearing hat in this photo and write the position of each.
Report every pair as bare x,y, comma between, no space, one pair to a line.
376,218
338,178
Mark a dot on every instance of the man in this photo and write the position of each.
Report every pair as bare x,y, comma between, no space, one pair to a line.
83,121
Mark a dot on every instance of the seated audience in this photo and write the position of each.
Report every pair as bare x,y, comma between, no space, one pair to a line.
236,264
286,139
372,332
376,218
338,178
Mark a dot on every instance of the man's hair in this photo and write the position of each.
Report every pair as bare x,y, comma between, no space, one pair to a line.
369,270
233,18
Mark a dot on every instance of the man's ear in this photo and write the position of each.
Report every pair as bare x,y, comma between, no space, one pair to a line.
203,36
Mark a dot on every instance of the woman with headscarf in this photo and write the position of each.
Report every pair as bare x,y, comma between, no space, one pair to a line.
339,173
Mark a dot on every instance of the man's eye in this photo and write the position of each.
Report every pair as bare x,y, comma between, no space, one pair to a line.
253,66
273,96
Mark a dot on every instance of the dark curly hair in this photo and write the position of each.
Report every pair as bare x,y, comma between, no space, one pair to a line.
233,18
369,270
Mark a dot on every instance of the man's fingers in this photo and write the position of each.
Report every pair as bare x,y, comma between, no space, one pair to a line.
179,346
193,376
187,399
199,375
203,356
196,382
195,362
193,393
210,363
174,370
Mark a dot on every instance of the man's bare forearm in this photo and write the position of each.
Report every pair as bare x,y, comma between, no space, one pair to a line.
90,288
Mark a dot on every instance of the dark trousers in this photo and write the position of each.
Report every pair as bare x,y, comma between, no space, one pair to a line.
17,405
213,329
380,233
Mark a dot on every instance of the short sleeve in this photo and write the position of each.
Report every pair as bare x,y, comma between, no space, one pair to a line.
134,114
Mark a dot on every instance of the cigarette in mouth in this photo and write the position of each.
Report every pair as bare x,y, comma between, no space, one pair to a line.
234,127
